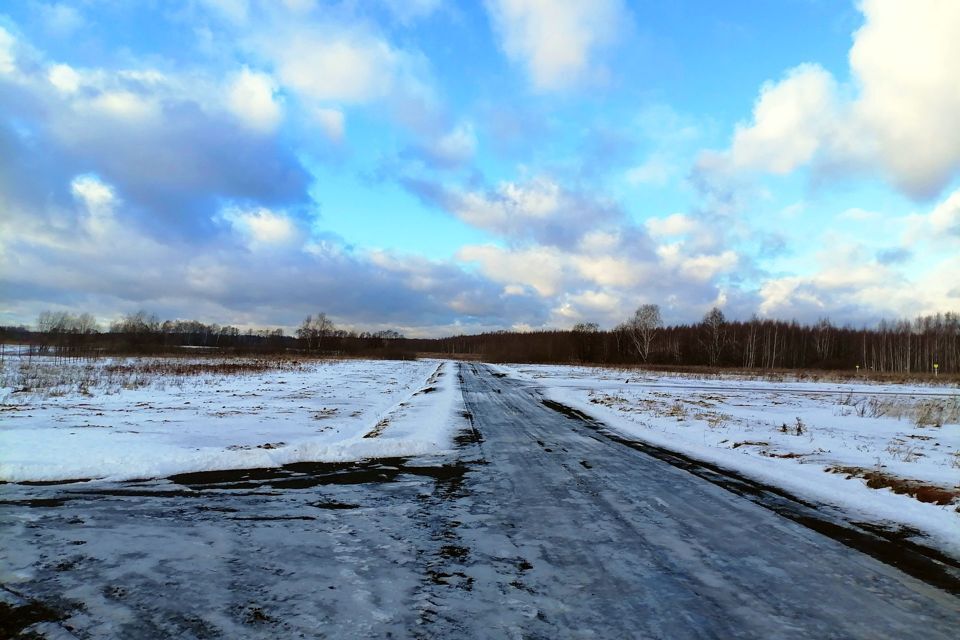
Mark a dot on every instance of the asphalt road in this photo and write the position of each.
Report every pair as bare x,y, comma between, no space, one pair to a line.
541,527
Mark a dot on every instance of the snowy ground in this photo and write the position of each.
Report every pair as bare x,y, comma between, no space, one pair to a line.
533,526
128,419
847,432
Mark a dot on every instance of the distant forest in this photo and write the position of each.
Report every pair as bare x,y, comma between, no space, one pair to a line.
900,346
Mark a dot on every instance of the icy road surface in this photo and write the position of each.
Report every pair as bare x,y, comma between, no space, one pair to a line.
539,526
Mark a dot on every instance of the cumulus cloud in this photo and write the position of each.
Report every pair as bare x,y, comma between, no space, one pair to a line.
330,63
945,217
792,119
581,254
904,60
325,63
556,41
862,282
262,228
98,200
896,116
161,141
142,161
604,274
250,97
40,263
64,77
537,209
677,224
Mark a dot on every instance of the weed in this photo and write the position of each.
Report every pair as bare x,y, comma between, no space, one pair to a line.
929,412
900,450
56,377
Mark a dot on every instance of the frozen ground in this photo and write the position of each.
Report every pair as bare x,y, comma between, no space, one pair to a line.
535,525
122,420
846,432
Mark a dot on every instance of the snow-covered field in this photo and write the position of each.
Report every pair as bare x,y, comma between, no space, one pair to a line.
818,440
143,418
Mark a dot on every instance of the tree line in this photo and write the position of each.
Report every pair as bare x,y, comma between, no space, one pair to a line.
66,334
899,346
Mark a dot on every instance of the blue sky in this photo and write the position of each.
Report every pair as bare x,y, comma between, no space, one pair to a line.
441,167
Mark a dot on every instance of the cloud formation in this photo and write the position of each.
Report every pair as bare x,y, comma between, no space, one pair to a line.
895,117
556,41
253,161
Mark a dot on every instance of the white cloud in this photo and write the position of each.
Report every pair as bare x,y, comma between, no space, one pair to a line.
332,123
8,60
791,120
250,97
124,105
64,78
455,147
98,199
945,217
541,268
609,270
904,59
677,224
556,40
511,207
261,227
335,65
537,209
897,116
702,267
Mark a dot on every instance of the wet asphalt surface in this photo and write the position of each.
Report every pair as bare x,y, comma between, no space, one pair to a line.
540,526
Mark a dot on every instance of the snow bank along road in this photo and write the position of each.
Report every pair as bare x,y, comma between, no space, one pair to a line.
538,525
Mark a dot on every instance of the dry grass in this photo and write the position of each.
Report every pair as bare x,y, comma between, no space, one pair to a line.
921,491
378,430
57,377
788,375
926,412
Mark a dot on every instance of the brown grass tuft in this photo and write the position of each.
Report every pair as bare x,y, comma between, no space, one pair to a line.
914,488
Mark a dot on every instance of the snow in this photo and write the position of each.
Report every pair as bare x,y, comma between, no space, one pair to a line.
750,426
160,424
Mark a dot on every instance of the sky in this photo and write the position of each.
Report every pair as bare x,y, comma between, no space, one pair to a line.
442,167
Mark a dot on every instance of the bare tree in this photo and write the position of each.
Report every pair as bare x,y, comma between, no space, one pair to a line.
714,335
314,329
140,322
642,328
823,338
